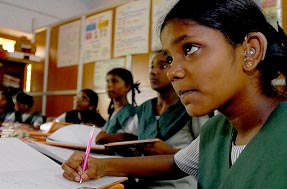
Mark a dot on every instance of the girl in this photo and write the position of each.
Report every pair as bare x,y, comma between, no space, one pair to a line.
223,55
119,83
85,110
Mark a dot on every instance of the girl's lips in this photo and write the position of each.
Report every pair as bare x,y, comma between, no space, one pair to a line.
153,79
182,93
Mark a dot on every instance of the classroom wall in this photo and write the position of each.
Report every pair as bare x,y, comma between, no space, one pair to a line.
62,83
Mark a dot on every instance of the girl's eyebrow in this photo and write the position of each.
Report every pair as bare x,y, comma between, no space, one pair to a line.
179,39
175,41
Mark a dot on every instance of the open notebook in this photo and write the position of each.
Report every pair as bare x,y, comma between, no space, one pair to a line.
22,167
74,136
60,154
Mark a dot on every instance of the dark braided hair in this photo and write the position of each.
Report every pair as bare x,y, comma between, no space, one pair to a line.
127,76
235,19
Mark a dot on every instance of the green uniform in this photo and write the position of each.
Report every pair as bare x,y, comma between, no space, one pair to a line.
262,163
117,121
169,123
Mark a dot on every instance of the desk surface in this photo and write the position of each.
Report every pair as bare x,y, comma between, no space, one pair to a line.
117,186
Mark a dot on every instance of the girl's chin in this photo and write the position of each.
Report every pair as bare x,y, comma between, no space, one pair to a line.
195,111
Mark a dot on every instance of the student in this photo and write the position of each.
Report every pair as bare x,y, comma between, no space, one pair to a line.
218,66
119,83
164,117
6,105
23,113
85,110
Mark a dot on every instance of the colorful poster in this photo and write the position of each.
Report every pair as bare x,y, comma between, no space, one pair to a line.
102,67
132,28
98,35
272,11
69,44
159,10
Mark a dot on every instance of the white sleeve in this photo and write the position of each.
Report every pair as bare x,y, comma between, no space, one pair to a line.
187,159
61,118
10,118
39,121
132,126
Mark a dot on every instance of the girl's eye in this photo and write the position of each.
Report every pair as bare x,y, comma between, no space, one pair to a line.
189,49
169,59
164,66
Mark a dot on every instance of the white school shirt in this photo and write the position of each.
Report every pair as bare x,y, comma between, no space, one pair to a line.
187,159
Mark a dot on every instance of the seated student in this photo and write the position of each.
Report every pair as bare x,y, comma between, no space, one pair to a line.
218,66
23,112
163,117
160,117
119,83
6,105
85,110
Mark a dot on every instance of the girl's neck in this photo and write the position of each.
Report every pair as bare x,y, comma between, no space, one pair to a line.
250,117
119,103
164,100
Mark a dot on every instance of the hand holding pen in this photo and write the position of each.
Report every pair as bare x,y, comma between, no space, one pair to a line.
88,149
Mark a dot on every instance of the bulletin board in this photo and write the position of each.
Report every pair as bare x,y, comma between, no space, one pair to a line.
127,33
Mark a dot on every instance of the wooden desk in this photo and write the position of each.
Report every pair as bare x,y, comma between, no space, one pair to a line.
117,186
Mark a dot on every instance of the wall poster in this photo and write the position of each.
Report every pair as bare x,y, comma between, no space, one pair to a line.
98,37
102,67
159,10
69,44
272,10
132,28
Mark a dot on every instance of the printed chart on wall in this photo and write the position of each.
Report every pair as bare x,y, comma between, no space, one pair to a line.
272,10
69,44
132,28
98,37
159,10
101,68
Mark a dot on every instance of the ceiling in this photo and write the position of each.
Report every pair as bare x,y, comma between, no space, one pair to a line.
23,17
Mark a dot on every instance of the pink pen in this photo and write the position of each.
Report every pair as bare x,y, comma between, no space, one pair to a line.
88,149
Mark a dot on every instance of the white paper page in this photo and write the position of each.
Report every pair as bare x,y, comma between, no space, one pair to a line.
57,153
48,179
60,154
22,167
14,152
74,134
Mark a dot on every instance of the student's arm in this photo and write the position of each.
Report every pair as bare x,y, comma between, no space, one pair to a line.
135,166
103,137
158,148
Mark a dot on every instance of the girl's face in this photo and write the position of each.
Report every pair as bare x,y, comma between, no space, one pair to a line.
158,73
82,102
205,69
3,103
116,87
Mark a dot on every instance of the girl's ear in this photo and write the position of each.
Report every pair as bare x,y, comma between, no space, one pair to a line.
254,50
128,88
91,107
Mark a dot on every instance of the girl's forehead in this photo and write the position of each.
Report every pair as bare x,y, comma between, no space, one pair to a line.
114,77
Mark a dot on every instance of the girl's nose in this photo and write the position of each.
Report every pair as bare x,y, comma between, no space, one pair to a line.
176,71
